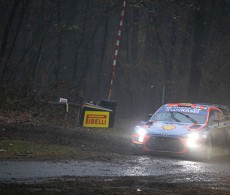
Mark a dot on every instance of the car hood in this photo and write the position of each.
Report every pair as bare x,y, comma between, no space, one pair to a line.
171,128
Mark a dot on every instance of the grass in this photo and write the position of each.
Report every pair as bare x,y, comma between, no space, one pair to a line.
19,148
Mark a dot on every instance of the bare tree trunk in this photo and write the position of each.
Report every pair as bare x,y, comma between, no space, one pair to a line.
7,30
82,38
6,66
198,51
85,68
184,53
59,43
134,43
39,56
90,39
100,73
7,63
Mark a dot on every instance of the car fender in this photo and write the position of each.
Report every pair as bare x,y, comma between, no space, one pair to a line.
228,138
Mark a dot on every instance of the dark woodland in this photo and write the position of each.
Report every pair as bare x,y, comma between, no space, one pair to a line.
65,48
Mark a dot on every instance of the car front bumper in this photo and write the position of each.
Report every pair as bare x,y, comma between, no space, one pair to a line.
174,145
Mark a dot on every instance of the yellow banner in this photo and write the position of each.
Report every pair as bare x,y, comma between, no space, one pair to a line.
96,119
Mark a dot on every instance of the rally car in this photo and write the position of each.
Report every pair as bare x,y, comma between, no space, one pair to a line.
199,130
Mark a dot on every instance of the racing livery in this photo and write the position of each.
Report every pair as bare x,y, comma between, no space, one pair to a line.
200,130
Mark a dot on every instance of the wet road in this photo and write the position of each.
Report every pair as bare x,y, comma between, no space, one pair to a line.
128,166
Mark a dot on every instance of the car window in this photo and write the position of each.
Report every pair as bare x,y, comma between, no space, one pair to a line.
178,117
220,116
213,116
163,116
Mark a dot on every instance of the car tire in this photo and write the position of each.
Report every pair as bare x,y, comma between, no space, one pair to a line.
208,151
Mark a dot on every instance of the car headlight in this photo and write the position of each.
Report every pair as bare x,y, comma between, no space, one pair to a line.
194,136
141,131
193,139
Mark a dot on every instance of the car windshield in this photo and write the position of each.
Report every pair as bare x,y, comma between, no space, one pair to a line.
180,115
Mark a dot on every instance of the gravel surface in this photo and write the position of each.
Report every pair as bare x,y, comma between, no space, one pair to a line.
112,170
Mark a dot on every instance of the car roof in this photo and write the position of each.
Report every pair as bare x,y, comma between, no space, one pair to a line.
223,108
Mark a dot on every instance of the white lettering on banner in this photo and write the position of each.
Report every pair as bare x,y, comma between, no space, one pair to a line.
179,109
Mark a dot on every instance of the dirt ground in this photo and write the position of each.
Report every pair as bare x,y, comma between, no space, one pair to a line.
53,129
100,141
107,145
114,186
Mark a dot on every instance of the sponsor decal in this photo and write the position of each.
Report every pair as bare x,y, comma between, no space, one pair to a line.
183,109
96,119
168,127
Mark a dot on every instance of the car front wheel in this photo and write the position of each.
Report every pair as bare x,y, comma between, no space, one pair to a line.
208,151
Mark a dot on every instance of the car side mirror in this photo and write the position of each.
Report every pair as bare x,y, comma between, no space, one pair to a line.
149,116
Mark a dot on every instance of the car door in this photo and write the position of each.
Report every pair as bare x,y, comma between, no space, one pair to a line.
225,128
217,128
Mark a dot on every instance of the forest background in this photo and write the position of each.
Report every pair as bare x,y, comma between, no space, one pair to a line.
65,48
